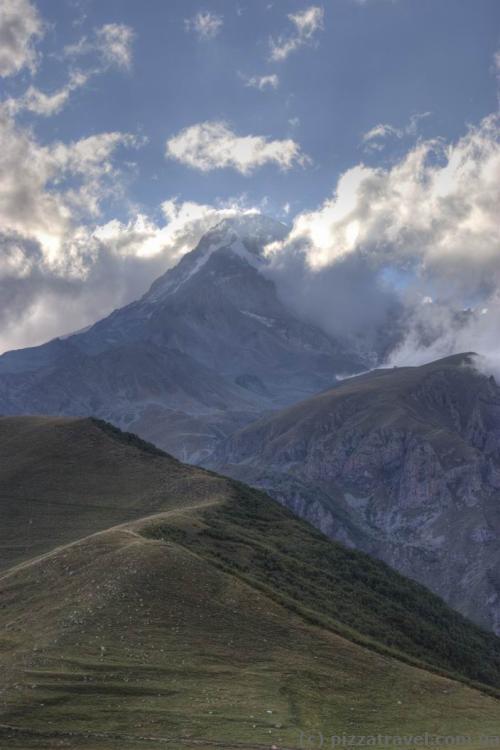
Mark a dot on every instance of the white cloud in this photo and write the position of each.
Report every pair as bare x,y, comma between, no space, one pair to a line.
185,225
378,133
307,23
20,27
435,330
205,24
262,82
43,188
49,196
374,139
212,145
426,227
112,43
438,204
40,103
105,267
114,40
61,265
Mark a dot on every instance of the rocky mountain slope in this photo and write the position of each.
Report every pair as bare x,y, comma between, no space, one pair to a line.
401,463
209,348
219,620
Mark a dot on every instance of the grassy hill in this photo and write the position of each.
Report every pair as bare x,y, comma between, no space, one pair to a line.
63,479
220,620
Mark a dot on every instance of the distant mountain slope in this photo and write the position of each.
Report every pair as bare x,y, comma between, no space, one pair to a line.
223,619
209,348
402,463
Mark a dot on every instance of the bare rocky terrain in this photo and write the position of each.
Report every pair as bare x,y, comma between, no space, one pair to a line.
401,463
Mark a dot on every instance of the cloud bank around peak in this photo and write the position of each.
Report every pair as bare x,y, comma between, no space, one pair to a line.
213,145
403,259
88,270
62,264
423,235
436,208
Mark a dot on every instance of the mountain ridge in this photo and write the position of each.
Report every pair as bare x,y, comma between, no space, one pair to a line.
402,463
207,349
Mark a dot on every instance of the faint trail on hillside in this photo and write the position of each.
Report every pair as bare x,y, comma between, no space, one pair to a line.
119,527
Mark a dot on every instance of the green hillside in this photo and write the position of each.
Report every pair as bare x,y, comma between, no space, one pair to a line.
63,479
223,621
264,545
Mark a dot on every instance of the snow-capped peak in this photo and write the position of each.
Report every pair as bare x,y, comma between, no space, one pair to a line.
245,235
256,228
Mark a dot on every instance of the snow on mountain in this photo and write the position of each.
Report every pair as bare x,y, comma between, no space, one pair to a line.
208,348
245,235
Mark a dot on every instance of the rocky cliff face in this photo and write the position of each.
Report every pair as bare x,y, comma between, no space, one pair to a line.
404,464
209,348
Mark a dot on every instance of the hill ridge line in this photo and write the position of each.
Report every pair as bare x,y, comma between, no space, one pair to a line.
119,527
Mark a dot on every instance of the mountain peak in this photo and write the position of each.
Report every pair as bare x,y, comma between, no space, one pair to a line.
207,349
252,226
246,234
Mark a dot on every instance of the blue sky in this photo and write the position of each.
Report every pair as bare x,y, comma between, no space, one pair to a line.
380,61
128,128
